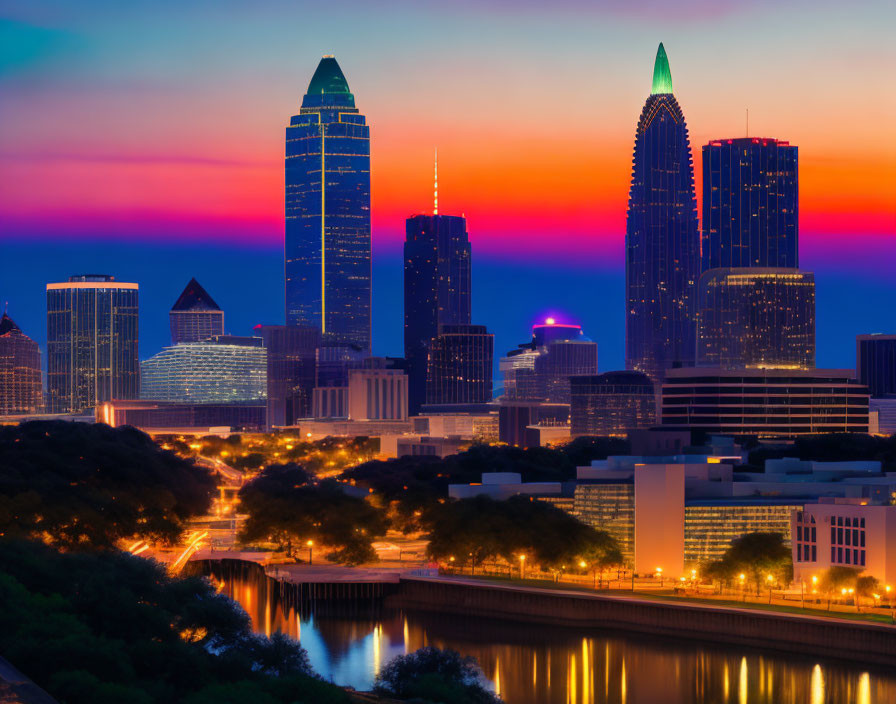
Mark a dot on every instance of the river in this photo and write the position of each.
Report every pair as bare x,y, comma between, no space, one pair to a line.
534,664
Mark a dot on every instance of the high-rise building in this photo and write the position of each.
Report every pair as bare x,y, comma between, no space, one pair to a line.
91,342
222,369
195,316
662,244
373,393
750,204
21,390
436,290
876,363
459,369
756,318
291,371
764,402
327,248
539,370
611,404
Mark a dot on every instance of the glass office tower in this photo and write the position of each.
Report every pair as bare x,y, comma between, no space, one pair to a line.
750,204
21,390
756,318
459,367
291,371
327,249
223,369
91,342
611,404
662,243
437,290
195,316
876,363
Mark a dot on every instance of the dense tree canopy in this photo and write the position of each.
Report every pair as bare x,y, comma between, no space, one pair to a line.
475,530
414,484
78,484
107,627
436,676
833,447
284,508
756,556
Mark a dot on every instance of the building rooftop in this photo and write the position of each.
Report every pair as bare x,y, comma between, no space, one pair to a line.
328,78
194,297
662,75
7,325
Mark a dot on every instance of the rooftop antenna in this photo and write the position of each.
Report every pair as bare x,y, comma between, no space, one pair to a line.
435,185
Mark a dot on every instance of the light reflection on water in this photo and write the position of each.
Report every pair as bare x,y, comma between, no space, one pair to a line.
533,664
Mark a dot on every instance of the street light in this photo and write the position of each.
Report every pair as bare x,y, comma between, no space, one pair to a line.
522,566
310,545
659,574
770,579
742,577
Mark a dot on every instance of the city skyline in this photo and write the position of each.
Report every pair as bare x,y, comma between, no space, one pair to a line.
576,256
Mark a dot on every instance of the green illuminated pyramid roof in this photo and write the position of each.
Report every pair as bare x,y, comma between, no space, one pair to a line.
328,78
662,76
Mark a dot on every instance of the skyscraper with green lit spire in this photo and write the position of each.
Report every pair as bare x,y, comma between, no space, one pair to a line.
327,248
662,241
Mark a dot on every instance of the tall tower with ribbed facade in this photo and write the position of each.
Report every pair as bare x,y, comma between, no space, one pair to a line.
662,241
327,247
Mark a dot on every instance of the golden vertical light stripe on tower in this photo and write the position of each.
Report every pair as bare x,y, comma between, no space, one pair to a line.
323,229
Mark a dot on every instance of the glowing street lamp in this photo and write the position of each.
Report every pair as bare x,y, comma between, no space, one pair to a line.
659,574
522,566
310,545
743,586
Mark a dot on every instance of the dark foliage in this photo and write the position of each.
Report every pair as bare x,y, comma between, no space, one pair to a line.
85,485
833,447
283,508
756,555
104,627
415,483
475,530
433,675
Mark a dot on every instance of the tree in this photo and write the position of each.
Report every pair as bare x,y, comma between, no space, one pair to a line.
88,486
433,675
107,627
480,528
758,555
284,508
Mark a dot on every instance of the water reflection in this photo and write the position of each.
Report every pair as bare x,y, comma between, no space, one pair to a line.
532,664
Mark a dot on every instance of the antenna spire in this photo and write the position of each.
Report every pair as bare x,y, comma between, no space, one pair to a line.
435,185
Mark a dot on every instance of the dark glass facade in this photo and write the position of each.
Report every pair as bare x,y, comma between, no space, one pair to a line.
291,371
539,370
750,204
611,404
91,343
437,290
327,248
459,369
756,318
21,390
662,244
767,403
195,316
876,363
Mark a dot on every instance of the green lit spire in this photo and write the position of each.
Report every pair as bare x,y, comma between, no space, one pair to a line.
328,78
662,76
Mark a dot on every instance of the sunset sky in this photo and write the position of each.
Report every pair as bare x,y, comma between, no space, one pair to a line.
145,140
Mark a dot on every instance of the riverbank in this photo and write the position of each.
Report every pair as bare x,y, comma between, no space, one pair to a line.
828,637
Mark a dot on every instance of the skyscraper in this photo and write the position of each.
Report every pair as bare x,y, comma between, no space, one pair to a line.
539,370
611,403
195,316
756,318
437,290
327,249
459,367
662,245
291,351
876,363
750,204
21,390
91,342
222,369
